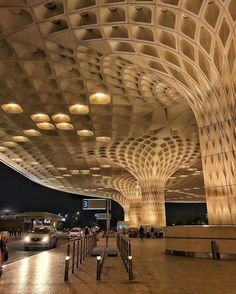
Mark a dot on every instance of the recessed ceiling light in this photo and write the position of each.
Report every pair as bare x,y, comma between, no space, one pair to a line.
12,108
96,175
9,144
64,126
105,165
78,109
20,139
99,98
74,171
84,171
40,117
34,163
95,168
17,160
32,133
3,149
61,118
45,126
67,175
103,139
61,168
85,133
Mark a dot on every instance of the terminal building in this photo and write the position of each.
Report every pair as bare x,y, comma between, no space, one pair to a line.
129,100
27,220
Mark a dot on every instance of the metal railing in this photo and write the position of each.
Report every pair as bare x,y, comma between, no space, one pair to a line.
99,264
124,246
77,251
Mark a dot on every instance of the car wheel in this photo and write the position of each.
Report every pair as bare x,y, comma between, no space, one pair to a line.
55,244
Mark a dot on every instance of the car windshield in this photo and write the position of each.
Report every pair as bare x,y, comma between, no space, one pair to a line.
40,230
75,230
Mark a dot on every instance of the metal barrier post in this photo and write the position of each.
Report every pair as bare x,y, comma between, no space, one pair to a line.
81,250
84,249
73,258
98,275
86,246
67,264
130,266
215,254
77,256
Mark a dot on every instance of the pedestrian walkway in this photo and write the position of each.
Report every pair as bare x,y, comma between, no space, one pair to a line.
154,272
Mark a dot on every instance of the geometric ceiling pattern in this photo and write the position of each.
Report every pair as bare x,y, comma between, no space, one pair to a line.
133,100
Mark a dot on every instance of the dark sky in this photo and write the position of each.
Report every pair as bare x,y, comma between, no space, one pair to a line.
18,193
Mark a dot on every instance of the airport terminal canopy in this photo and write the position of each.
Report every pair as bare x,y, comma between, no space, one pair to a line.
134,100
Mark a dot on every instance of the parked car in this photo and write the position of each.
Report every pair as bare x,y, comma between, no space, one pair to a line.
41,237
75,233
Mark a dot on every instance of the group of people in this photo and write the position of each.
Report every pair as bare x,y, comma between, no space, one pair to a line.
150,232
15,232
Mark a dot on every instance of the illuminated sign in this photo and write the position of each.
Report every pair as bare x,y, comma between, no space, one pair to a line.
102,216
95,204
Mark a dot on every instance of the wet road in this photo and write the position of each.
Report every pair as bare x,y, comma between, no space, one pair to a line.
16,248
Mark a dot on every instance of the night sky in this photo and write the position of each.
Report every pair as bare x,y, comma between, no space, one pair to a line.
19,194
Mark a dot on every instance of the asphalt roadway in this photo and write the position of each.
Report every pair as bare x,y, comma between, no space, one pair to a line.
16,248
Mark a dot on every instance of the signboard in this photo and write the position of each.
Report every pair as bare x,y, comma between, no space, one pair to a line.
102,216
95,204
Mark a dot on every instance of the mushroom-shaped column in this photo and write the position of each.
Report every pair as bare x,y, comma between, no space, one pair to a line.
152,160
129,187
123,201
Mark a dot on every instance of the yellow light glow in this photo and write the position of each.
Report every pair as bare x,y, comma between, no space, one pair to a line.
95,168
64,126
9,144
32,133
85,133
12,108
61,118
20,139
78,109
103,139
45,126
99,98
3,149
40,118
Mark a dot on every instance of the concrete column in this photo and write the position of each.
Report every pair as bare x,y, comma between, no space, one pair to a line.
153,203
218,151
136,214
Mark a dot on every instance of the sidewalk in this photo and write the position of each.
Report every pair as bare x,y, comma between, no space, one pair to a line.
154,272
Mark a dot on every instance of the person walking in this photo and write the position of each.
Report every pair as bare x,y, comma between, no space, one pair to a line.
3,252
141,232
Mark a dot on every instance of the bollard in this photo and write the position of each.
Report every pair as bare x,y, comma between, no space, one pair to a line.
73,258
129,252
99,267
130,266
68,250
67,264
77,256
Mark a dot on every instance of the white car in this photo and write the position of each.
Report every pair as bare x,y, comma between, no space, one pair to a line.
75,233
41,237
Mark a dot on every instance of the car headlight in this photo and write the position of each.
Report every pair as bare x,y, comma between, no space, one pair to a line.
27,239
45,239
